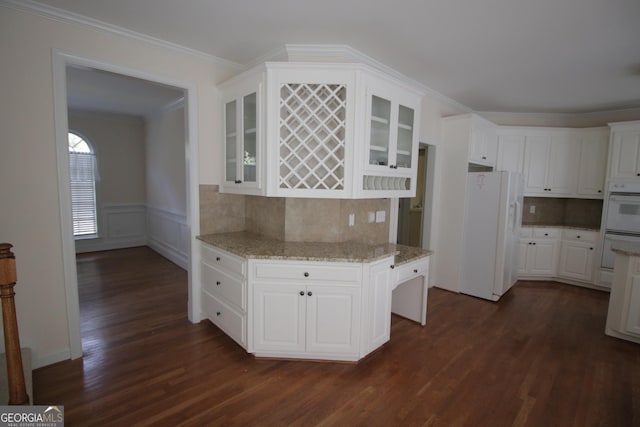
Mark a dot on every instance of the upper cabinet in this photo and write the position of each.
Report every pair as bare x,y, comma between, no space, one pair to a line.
556,162
472,136
625,150
243,134
320,130
484,144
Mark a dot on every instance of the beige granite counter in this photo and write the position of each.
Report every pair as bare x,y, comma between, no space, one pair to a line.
567,227
626,248
251,245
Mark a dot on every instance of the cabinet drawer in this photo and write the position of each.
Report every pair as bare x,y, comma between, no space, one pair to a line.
580,235
224,286
224,260
300,272
226,318
546,232
410,270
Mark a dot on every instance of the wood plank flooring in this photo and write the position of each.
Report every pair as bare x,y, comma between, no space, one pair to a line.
539,357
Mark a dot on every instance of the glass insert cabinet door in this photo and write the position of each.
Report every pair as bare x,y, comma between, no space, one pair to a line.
391,134
241,139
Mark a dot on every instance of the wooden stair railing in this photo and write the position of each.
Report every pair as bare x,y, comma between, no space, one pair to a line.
15,374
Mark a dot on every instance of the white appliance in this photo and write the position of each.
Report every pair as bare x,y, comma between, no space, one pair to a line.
493,218
622,218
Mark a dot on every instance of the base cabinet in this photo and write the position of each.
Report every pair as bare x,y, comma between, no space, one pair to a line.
623,316
307,319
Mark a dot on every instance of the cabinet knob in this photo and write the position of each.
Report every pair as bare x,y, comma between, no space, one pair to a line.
238,181
638,174
392,266
599,191
306,274
415,270
533,243
590,249
217,258
546,234
309,293
301,293
484,157
218,313
577,237
218,283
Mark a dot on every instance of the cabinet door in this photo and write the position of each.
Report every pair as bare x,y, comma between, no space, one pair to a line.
562,173
333,319
231,144
378,306
632,322
279,318
624,155
511,153
536,164
593,163
576,260
541,257
484,147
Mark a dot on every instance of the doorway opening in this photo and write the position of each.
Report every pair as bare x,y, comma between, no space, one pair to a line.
415,214
133,207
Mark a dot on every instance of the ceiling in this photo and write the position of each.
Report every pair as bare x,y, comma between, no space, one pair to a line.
97,90
551,56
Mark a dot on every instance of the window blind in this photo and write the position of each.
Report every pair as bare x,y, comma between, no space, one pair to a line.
83,194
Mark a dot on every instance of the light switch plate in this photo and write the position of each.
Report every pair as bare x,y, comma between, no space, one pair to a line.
380,216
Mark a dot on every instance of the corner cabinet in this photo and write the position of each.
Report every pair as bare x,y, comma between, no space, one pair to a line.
320,130
625,150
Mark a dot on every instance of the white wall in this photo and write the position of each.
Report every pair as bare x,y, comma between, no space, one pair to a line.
167,230
30,211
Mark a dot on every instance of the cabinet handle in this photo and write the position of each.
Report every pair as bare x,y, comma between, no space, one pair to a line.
218,313
484,157
218,283
306,274
415,270
309,293
392,266
217,258
301,293
238,181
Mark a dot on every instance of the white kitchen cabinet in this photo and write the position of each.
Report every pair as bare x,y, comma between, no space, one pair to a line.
243,136
594,147
378,291
224,291
623,315
551,164
625,150
483,149
539,253
577,252
510,152
306,310
321,130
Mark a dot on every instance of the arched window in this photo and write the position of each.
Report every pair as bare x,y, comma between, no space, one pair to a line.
82,168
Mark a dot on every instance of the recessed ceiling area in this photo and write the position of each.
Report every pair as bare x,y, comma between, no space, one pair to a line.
548,56
98,90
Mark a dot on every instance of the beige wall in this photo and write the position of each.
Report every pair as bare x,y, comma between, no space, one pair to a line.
165,159
119,144
30,211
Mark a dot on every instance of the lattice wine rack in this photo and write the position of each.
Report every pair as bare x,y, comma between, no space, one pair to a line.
312,136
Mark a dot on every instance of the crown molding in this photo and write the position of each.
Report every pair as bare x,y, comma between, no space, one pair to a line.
67,17
354,55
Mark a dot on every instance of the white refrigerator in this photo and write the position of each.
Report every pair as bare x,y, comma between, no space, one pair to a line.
493,218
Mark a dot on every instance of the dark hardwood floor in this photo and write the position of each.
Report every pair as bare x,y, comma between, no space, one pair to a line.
539,357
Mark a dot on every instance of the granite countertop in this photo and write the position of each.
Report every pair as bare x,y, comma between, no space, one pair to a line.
626,248
252,245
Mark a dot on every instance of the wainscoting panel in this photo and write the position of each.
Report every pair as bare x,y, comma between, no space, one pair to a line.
168,234
120,226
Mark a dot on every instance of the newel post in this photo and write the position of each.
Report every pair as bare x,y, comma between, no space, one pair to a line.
15,374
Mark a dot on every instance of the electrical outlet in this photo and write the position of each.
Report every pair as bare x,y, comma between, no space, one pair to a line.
352,220
532,209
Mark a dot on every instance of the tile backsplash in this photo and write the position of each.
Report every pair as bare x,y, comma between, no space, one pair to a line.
553,211
293,219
